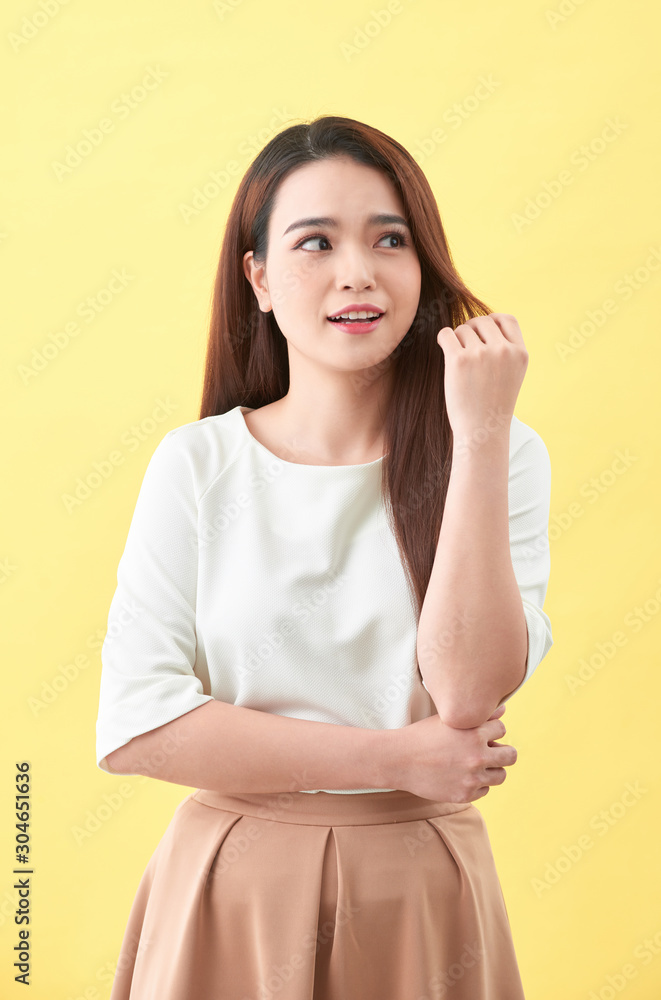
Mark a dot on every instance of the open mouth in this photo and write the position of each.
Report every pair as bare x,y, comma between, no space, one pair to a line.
358,324
347,321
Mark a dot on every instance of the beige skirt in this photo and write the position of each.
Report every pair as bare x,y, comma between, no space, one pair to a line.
298,896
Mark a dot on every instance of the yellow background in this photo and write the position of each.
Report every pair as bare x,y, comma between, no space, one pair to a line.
229,77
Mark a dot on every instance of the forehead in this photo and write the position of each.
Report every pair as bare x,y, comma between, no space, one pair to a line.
337,187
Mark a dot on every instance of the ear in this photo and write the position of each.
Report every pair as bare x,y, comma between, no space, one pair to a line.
256,275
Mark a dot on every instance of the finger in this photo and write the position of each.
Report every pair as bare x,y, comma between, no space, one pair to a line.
495,728
466,335
481,330
506,756
508,326
447,339
496,775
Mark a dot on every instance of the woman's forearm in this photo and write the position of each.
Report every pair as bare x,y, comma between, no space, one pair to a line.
472,635
229,748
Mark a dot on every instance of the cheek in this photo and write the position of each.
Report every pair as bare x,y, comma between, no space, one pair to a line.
290,281
297,284
408,289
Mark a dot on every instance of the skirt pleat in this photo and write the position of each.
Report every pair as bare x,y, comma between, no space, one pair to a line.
373,896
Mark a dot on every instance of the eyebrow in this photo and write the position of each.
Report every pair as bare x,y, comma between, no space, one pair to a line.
323,220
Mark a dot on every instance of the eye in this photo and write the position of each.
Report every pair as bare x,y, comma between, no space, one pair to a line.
307,239
402,237
403,241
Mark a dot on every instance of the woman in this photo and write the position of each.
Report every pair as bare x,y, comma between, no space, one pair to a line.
294,635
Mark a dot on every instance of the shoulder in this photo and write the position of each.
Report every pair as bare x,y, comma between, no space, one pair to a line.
528,451
198,452
525,437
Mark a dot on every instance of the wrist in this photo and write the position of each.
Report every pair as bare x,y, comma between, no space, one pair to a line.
490,436
390,754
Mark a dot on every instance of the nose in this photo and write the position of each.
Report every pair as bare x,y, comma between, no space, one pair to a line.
354,269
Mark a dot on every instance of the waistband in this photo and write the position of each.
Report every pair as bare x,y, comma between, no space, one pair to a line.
329,808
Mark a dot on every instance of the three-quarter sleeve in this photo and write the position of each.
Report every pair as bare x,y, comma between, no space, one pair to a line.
529,499
148,655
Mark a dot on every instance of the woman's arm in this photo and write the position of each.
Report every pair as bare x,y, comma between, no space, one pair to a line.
229,748
472,635
482,630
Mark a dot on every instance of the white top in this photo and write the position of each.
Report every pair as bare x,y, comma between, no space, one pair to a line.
279,587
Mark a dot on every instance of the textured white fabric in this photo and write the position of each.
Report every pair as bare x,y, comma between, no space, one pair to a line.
279,587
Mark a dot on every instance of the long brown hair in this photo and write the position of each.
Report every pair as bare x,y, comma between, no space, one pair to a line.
247,361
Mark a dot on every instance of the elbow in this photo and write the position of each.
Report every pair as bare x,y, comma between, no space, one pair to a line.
458,712
464,717
472,705
469,712
461,712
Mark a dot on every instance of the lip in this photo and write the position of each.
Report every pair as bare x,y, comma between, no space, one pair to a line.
357,327
357,307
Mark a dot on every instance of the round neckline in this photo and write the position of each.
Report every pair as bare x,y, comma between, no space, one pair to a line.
240,410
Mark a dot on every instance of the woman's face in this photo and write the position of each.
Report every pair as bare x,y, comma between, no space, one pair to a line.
312,270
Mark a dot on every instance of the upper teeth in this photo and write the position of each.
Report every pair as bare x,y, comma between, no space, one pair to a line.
356,315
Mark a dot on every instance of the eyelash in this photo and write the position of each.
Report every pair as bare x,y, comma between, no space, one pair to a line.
404,241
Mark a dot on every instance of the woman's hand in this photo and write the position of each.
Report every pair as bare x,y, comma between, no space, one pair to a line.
485,364
445,764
